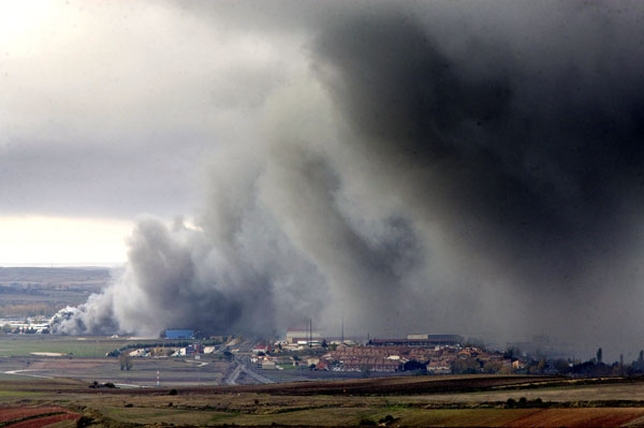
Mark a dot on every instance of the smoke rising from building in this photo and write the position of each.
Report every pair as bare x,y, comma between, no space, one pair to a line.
487,181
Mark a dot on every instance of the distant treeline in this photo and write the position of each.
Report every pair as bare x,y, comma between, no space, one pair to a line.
15,288
44,275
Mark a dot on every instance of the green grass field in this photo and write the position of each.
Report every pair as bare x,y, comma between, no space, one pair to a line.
90,347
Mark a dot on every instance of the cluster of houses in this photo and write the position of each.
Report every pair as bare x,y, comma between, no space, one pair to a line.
375,356
437,359
435,354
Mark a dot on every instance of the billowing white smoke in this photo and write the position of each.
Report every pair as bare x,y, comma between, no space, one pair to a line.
295,226
243,267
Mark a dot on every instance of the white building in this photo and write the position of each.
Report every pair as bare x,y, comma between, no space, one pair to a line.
303,336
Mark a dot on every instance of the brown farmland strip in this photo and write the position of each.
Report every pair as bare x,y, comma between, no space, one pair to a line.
44,421
583,417
8,414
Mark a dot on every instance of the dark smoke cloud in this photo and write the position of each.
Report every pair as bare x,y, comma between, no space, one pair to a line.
527,164
533,174
440,169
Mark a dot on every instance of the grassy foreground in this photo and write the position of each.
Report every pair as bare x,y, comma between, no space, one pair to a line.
454,401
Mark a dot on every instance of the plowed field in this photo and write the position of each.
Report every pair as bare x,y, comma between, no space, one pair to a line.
34,417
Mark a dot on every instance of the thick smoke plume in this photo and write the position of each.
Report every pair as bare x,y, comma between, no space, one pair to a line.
487,182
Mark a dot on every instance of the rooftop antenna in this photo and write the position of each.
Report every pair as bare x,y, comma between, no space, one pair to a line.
343,329
310,332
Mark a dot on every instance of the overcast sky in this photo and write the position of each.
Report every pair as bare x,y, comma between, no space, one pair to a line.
109,109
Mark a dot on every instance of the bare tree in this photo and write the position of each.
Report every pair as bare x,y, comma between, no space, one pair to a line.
126,361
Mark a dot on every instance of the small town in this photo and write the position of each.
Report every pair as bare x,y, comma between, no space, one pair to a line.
311,350
431,354
314,356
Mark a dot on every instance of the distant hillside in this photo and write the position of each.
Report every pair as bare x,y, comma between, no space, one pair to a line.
41,291
43,275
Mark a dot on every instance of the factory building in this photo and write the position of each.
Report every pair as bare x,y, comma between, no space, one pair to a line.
177,334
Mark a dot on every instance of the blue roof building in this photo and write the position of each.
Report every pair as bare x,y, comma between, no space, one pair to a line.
179,334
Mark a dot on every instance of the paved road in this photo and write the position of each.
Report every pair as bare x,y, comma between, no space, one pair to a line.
242,358
258,377
24,373
232,377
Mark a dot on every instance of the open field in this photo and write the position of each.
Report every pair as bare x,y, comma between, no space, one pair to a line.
90,347
454,401
171,372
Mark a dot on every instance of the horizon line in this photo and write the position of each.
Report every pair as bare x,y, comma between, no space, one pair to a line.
64,264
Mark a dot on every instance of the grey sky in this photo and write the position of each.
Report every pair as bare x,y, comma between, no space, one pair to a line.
110,110
109,107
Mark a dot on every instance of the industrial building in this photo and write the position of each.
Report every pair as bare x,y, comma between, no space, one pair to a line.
421,340
176,334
